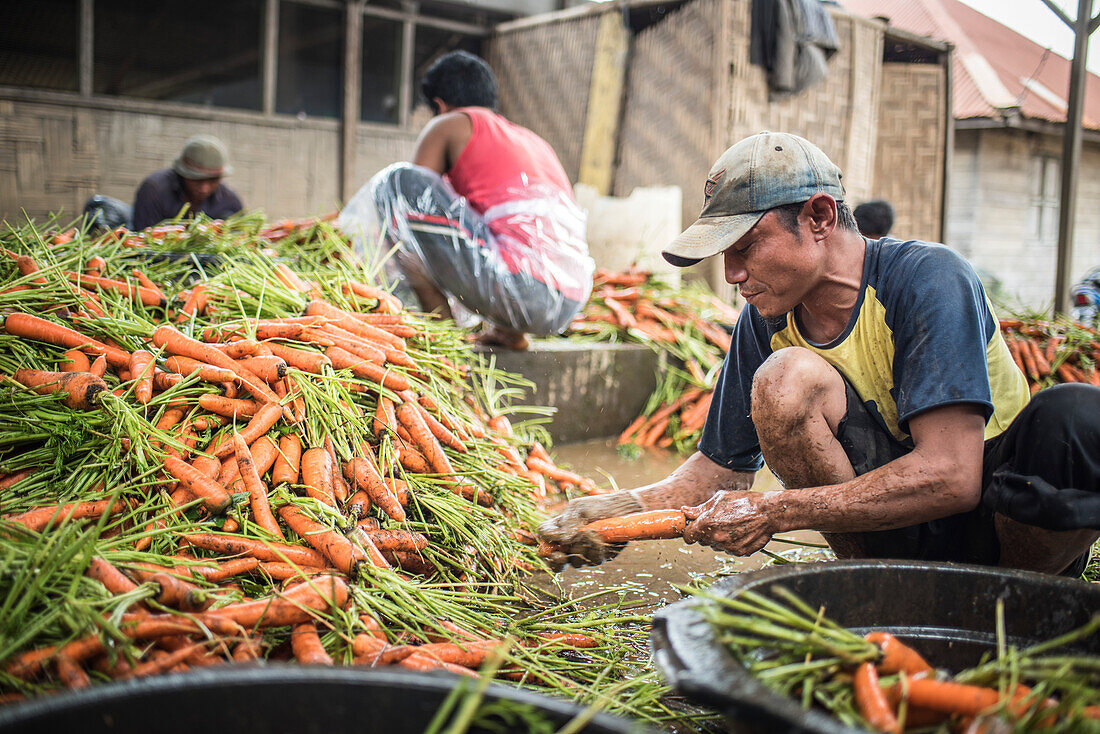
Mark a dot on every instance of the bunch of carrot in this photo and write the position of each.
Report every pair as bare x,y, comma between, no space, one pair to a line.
272,460
877,682
689,325
1053,352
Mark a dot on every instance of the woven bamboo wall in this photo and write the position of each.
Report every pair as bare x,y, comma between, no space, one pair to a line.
544,72
838,114
53,157
910,150
666,135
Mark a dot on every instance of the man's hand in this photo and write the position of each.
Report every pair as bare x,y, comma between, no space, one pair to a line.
583,548
734,522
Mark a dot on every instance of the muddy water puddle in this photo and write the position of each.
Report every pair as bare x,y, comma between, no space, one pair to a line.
652,569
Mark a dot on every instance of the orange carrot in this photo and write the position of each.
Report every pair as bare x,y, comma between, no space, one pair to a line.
286,466
468,654
266,417
441,432
228,407
263,550
77,362
41,518
387,302
871,700
897,657
81,389
951,698
145,295
14,478
99,366
141,369
316,469
214,496
257,491
397,540
180,344
339,486
427,664
306,644
301,359
267,368
346,321
340,552
342,359
652,525
71,674
384,417
146,283
409,416
364,473
116,582
195,304
239,349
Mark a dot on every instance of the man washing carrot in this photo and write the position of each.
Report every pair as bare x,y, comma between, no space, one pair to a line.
873,379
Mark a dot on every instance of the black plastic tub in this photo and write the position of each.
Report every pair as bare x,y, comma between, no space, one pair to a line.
946,611
273,700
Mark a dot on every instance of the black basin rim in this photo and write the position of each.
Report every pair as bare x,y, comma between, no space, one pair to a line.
727,687
244,676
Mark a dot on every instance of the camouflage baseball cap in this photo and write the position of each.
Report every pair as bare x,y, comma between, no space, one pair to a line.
202,157
759,173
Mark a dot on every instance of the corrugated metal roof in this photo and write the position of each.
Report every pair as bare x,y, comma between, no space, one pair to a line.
995,67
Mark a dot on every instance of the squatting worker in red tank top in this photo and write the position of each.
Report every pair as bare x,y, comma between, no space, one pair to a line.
485,214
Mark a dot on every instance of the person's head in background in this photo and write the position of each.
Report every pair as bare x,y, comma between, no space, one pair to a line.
459,79
200,166
875,218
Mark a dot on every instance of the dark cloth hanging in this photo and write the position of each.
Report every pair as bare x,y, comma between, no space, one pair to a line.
793,40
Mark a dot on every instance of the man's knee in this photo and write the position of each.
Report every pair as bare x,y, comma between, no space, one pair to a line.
794,384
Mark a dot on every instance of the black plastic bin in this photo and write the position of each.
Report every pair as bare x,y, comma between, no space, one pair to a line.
944,610
272,700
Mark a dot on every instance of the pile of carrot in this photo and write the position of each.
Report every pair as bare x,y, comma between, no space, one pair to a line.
271,458
1053,352
876,681
688,324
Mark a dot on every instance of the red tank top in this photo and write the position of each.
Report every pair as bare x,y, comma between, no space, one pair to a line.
500,156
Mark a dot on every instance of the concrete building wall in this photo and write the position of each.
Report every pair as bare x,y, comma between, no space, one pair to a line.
54,156
1003,214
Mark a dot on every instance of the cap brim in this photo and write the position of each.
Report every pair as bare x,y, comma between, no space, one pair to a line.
195,174
709,236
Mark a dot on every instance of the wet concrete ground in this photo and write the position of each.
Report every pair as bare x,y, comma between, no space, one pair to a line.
654,567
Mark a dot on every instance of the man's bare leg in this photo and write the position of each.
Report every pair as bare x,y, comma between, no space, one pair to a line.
1033,549
798,402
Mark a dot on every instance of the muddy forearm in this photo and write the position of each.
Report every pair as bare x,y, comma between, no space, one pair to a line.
692,483
904,492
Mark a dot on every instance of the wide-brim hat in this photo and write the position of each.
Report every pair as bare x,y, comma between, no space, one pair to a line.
202,157
757,174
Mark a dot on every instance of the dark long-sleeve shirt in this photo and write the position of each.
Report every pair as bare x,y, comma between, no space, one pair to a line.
161,196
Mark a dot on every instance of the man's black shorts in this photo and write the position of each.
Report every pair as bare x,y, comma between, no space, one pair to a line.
1043,470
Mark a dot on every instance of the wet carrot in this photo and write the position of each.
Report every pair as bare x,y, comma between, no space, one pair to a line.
397,540
99,366
344,555
285,470
342,359
384,417
147,283
268,368
180,344
570,639
427,664
871,700
364,473
301,359
214,496
897,657
224,569
229,407
41,518
316,470
257,491
652,525
77,361
263,550
28,664
70,673
409,416
387,302
195,305
10,480
346,321
306,644
141,370
441,432
469,654
114,580
951,698
145,295
247,649
81,389
266,417
339,486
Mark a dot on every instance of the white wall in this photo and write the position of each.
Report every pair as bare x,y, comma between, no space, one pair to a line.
993,211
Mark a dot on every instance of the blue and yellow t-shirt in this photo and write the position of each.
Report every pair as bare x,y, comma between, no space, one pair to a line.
922,335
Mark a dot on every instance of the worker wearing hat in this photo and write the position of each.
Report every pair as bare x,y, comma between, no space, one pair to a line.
194,181
873,379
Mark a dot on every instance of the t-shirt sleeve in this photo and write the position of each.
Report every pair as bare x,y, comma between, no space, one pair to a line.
729,436
942,324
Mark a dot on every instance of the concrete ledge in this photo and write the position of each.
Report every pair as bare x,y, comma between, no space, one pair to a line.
597,389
